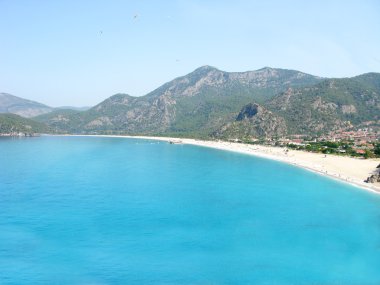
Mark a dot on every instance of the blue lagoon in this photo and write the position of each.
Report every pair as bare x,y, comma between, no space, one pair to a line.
90,210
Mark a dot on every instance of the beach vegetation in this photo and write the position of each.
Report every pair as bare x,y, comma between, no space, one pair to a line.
368,154
376,150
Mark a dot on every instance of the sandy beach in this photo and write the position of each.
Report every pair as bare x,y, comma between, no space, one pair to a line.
347,169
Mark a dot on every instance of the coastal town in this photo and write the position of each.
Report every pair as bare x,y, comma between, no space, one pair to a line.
360,143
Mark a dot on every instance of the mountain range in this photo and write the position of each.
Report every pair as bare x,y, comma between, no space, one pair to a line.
208,102
23,107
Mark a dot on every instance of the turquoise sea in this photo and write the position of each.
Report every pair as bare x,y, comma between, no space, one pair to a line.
90,210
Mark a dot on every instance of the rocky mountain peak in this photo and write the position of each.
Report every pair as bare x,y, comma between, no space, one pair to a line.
206,68
206,71
114,100
119,96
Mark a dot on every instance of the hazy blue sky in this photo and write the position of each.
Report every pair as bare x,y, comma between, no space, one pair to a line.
81,52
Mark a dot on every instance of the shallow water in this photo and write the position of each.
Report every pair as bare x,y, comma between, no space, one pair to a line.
87,210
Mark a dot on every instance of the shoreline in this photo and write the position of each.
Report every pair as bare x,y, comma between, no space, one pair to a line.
345,169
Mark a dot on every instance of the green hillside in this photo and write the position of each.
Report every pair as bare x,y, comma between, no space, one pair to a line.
196,104
11,123
331,104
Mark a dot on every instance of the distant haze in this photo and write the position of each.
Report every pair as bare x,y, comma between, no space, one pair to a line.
78,53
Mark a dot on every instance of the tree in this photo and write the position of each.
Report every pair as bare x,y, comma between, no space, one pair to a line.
377,149
368,154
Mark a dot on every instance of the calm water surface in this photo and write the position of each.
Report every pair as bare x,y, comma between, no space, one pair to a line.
86,210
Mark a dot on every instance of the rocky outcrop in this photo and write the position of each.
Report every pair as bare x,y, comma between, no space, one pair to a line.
374,178
99,122
322,106
253,121
348,109
249,111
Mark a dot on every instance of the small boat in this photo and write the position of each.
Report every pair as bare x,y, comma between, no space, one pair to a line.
175,142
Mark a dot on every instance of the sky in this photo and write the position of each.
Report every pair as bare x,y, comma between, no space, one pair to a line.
78,53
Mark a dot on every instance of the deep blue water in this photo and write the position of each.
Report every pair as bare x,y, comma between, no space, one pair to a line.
86,210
